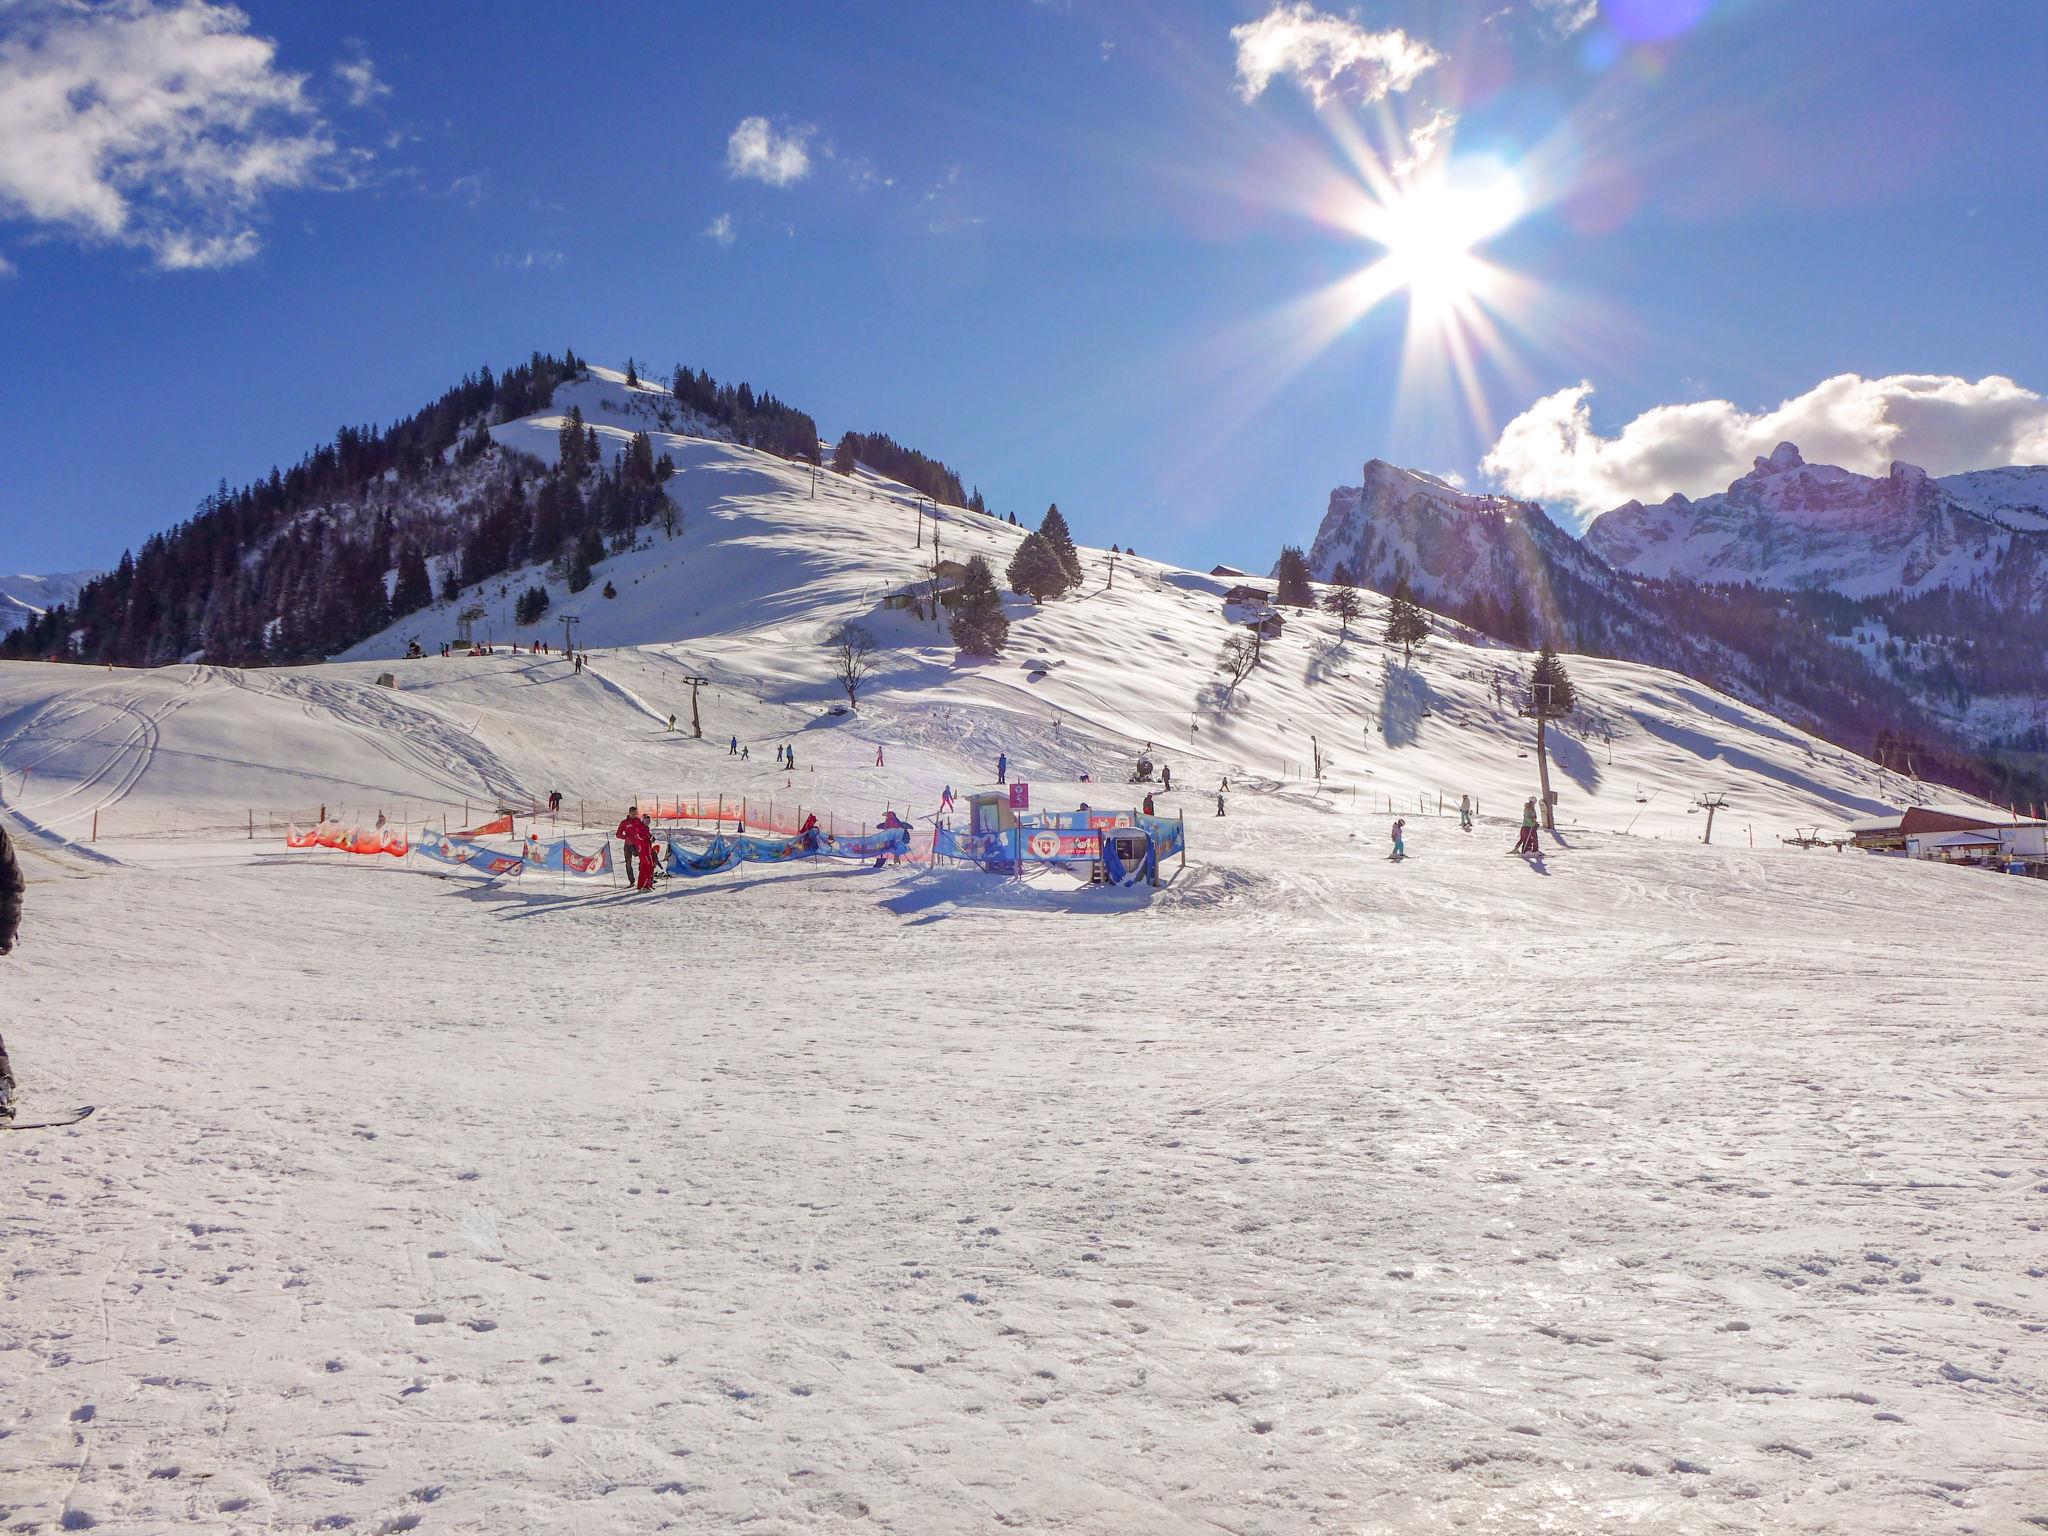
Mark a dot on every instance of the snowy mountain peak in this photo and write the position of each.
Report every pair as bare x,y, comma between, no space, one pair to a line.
25,597
1788,523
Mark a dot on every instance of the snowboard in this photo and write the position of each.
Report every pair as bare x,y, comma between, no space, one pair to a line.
69,1117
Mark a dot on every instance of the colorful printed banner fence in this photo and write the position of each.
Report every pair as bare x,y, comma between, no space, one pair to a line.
730,852
1066,837
349,839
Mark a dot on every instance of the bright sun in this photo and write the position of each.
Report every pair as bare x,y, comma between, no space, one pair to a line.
1430,231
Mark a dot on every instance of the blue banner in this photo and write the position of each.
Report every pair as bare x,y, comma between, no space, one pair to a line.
727,852
1169,834
559,856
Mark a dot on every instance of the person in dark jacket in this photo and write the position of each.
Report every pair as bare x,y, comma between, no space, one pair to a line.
11,888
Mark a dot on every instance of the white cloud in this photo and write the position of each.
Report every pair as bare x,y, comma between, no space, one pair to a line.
529,261
757,152
1942,423
1567,17
720,229
157,126
358,77
1425,143
8,268
1326,55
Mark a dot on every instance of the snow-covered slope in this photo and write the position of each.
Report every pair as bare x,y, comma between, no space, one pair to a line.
746,594
1638,1185
1788,523
25,597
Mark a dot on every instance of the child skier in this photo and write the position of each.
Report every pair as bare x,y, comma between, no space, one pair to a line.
1526,843
1464,813
1400,851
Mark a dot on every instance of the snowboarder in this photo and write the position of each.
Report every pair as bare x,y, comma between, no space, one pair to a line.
628,833
734,749
1400,850
1526,843
12,887
1002,767
1464,813
1166,778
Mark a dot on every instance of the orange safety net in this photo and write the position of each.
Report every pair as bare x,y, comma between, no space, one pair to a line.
490,828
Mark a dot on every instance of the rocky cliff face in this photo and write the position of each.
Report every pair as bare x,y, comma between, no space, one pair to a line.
1499,564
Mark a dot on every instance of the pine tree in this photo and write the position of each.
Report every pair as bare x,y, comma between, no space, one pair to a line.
1550,686
1054,531
569,442
1343,601
589,550
1340,575
533,602
980,627
1292,571
451,584
845,454
412,590
1407,625
632,375
1036,569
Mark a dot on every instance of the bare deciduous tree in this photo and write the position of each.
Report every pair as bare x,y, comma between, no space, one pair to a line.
853,659
1239,655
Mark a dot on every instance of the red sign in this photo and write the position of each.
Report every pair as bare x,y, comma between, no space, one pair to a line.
1063,845
1020,796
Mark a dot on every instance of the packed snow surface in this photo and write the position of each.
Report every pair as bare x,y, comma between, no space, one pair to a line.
1643,1185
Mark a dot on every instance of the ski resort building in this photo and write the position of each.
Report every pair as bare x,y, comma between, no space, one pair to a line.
1957,837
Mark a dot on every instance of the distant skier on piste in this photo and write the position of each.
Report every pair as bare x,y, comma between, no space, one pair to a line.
1400,849
1002,767
1526,843
1464,813
734,749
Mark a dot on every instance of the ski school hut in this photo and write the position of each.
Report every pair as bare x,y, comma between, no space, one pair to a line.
1114,847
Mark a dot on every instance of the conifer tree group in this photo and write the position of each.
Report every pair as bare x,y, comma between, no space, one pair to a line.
980,627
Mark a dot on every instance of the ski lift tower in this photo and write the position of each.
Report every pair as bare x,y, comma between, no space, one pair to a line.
1710,804
1542,709
696,726
465,625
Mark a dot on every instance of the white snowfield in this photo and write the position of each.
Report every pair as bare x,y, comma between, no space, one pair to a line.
1645,1185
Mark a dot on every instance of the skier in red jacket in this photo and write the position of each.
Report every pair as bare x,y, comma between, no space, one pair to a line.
646,834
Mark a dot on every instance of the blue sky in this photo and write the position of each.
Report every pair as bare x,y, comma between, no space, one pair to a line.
1074,249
